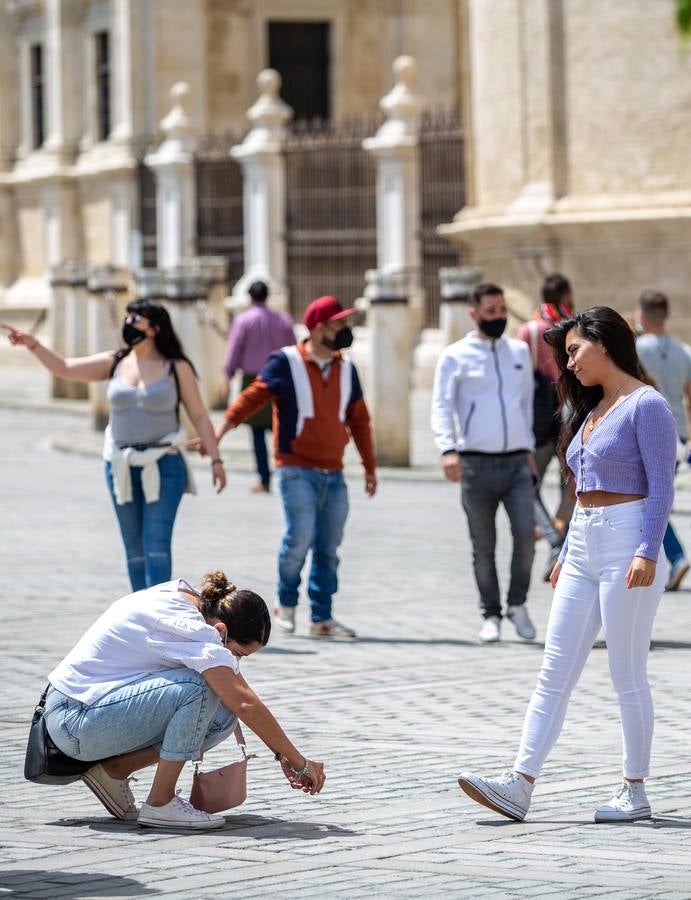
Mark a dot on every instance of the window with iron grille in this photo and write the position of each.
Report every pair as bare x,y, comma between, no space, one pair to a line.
38,125
102,42
299,51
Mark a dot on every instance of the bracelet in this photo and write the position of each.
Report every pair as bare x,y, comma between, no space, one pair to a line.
215,462
304,770
33,346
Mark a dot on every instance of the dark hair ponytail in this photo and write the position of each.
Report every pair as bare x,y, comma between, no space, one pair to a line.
602,325
244,613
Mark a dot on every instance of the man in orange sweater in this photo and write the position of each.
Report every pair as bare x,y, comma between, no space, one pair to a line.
317,406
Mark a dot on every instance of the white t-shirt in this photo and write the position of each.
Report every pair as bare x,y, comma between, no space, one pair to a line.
140,634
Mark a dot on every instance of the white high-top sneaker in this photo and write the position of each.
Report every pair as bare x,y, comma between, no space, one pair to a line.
628,804
509,794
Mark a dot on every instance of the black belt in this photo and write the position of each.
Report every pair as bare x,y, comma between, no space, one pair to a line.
142,446
503,455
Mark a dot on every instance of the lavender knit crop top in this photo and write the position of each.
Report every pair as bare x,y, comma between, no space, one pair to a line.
632,451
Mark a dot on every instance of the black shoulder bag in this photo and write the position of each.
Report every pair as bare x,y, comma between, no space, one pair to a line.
44,763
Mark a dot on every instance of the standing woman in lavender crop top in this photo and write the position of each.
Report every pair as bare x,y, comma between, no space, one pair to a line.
146,470
619,442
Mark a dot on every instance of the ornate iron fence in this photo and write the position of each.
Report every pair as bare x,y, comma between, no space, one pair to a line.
331,229
219,202
442,195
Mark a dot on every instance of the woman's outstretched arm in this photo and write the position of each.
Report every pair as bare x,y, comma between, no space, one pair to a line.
81,368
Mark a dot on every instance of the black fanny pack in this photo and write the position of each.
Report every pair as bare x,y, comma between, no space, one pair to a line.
44,763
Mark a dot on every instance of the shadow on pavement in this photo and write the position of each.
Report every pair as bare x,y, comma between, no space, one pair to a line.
448,642
670,645
667,822
258,827
39,883
271,828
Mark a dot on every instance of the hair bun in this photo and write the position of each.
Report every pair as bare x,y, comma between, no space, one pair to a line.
215,585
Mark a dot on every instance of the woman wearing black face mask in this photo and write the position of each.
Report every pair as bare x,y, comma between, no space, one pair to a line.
146,471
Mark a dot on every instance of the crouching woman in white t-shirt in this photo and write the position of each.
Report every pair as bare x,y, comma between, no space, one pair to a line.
156,677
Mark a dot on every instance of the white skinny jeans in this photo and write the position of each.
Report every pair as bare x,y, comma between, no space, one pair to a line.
591,592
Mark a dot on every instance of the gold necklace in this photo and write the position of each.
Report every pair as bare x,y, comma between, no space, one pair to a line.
591,423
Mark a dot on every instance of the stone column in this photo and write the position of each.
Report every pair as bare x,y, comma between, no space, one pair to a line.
389,380
104,284
173,165
69,322
395,149
61,67
457,284
264,193
122,128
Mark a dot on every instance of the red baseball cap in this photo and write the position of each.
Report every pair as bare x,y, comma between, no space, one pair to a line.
325,309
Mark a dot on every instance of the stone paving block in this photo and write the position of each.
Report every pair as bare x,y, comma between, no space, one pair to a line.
396,714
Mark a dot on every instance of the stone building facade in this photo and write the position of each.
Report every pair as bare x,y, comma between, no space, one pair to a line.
84,82
579,127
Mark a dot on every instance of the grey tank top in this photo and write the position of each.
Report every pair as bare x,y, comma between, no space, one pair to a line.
142,415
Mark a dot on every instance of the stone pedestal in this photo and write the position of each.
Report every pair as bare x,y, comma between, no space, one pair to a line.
457,284
264,194
395,149
173,165
389,380
105,284
69,322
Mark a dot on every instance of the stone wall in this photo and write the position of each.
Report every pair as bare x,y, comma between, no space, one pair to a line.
580,124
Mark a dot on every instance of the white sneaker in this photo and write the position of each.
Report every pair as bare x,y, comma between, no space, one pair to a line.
521,620
509,794
114,793
331,629
178,813
490,631
628,804
284,617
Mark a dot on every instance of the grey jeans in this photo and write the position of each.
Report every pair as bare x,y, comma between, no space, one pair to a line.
488,480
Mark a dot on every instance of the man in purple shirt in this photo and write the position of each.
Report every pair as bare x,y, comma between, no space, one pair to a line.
254,335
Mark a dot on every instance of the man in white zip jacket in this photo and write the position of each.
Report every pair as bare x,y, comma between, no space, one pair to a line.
482,420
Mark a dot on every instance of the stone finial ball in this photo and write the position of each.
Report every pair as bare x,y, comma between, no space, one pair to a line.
405,69
269,82
179,91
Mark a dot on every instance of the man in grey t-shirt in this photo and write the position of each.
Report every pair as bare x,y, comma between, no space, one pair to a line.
668,362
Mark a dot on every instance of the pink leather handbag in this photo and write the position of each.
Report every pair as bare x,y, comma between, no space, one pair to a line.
222,788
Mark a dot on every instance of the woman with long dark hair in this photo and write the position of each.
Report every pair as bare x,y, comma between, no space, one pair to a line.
619,445
146,471
155,680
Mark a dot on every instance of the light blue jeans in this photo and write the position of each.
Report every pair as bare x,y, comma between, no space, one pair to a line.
591,593
147,528
173,711
315,505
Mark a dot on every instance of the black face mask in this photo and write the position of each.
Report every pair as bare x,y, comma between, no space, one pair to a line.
131,335
493,328
343,339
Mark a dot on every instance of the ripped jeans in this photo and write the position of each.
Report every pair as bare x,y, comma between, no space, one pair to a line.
173,711
592,593
147,528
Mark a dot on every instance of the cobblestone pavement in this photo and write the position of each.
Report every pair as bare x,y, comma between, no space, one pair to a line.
395,715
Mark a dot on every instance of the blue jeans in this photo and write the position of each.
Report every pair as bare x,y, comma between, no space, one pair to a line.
487,481
260,454
147,528
674,550
173,711
315,505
